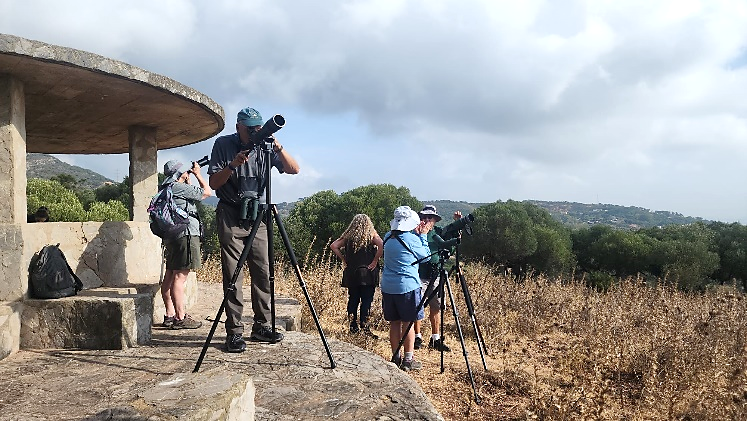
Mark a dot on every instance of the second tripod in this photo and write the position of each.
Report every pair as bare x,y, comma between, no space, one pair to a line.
443,286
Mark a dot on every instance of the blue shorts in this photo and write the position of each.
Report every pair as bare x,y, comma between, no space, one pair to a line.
402,307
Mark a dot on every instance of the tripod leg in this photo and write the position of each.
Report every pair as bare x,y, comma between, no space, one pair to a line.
461,340
301,282
229,287
442,305
271,259
471,311
210,335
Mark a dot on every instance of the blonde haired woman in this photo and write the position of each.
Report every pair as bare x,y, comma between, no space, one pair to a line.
360,249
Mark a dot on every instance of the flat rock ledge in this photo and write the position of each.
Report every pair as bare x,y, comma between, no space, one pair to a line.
291,380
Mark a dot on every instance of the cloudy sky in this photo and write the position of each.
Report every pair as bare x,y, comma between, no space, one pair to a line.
634,103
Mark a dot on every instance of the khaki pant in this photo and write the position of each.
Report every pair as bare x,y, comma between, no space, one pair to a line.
232,236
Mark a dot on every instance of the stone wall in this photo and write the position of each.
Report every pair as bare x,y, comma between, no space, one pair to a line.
101,253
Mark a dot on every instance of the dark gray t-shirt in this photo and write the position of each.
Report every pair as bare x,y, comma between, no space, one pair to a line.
186,196
248,179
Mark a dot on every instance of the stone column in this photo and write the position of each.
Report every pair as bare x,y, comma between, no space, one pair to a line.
143,170
12,151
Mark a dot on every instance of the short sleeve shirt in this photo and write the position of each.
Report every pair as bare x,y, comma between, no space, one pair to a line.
248,179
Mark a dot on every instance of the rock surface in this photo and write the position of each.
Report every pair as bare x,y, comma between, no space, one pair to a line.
291,380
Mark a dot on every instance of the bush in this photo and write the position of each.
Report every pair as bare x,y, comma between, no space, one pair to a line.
62,203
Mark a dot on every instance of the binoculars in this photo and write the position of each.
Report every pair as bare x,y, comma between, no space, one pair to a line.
203,161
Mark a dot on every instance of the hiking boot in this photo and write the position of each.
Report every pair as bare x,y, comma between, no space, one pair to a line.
418,342
411,365
168,321
367,331
265,334
186,323
354,329
438,345
235,343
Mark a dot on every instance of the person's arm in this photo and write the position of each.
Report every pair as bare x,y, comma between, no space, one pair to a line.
218,179
379,243
206,191
419,244
290,166
335,246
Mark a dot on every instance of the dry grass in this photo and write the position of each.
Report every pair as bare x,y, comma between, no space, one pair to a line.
559,351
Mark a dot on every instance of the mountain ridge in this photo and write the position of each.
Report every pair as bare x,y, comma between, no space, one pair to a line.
40,165
572,214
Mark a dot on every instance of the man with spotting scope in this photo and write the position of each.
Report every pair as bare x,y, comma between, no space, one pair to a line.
236,170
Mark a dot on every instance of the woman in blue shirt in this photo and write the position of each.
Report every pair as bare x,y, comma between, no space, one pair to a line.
404,245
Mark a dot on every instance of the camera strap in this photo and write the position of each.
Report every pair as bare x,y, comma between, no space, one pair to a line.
401,242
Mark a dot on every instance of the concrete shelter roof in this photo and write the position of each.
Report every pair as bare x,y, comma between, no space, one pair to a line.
83,103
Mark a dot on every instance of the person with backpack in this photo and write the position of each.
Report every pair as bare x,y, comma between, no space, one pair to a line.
405,244
182,253
360,249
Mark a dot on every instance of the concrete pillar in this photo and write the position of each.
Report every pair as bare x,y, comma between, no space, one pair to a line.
12,151
143,170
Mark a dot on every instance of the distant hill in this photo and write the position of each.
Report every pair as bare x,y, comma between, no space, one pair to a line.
39,165
572,214
577,215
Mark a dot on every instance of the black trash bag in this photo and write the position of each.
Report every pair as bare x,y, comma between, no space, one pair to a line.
50,276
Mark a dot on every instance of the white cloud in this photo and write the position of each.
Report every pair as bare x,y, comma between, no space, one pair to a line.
634,103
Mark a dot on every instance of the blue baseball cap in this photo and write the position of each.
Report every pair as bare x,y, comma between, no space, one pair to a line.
249,117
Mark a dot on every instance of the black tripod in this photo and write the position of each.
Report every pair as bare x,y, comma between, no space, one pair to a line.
470,309
444,281
265,214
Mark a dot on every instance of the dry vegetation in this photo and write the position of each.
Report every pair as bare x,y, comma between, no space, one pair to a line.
559,351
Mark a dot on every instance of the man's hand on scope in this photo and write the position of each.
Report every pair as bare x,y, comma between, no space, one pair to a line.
458,216
240,158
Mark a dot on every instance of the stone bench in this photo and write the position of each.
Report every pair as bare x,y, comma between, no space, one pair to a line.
98,318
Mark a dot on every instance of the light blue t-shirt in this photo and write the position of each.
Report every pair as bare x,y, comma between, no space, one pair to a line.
400,275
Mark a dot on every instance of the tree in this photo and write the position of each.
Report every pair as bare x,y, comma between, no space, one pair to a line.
113,210
62,203
686,254
319,219
115,191
519,236
583,241
622,253
731,240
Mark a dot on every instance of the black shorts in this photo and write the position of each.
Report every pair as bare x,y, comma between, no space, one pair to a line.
183,253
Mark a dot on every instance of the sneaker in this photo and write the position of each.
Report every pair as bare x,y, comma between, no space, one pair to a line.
186,323
265,334
411,365
418,342
438,345
168,321
235,343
